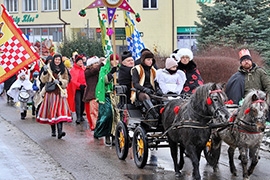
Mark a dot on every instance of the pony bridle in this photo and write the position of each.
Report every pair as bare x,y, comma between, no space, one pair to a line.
212,99
255,119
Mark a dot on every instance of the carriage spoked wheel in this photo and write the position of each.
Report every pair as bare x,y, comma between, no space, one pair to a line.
121,140
140,147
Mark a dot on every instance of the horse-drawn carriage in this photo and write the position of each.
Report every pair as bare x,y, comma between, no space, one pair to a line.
138,129
188,124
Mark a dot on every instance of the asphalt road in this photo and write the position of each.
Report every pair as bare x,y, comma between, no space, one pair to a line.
79,156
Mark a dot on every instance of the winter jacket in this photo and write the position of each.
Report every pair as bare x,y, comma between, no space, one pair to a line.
91,76
256,78
170,82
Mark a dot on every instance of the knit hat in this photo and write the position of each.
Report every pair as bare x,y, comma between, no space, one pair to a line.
125,55
48,58
116,57
92,60
244,54
184,52
77,58
170,62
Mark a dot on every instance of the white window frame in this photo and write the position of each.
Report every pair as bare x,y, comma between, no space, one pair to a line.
49,5
150,4
30,5
66,4
11,5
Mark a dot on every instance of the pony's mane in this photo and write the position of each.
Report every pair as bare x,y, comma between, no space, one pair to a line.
198,99
202,92
248,100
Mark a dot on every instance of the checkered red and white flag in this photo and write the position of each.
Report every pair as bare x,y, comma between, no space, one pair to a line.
16,51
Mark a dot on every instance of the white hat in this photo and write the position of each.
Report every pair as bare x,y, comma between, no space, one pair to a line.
184,52
92,60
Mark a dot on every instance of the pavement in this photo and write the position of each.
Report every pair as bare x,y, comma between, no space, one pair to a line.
21,158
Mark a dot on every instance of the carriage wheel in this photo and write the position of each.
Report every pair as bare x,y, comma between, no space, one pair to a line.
121,140
140,147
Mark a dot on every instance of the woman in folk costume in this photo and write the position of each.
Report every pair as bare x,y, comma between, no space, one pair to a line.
91,77
21,84
76,88
143,76
107,113
54,109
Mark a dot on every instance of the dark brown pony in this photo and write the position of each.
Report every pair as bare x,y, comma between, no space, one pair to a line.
245,133
187,122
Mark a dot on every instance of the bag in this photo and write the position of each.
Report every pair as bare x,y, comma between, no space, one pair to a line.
50,86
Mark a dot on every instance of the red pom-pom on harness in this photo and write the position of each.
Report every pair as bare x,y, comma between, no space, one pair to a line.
208,101
229,102
161,110
176,109
247,111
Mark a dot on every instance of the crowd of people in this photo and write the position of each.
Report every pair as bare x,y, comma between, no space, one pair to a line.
85,86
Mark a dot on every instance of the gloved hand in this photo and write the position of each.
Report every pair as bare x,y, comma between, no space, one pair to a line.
148,91
56,81
82,87
45,68
113,70
159,92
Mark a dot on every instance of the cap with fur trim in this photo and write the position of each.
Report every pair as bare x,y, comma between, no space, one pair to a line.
184,52
92,60
146,54
170,62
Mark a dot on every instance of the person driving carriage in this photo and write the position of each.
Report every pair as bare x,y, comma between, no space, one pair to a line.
143,76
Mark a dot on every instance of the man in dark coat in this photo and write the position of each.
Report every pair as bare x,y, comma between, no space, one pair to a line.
124,73
249,76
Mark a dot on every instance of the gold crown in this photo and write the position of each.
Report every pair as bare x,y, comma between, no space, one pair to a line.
244,52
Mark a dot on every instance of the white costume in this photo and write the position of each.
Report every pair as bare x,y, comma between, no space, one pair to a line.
170,82
19,83
17,87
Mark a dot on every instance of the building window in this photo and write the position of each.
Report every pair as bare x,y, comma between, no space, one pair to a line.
30,5
150,4
66,5
50,5
11,5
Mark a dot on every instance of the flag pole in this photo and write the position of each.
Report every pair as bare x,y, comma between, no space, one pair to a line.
114,50
50,73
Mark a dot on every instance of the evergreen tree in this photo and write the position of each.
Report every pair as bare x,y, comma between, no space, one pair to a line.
81,45
235,23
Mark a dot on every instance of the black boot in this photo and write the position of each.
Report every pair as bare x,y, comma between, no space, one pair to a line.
24,113
150,107
78,120
53,130
59,129
22,116
33,109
